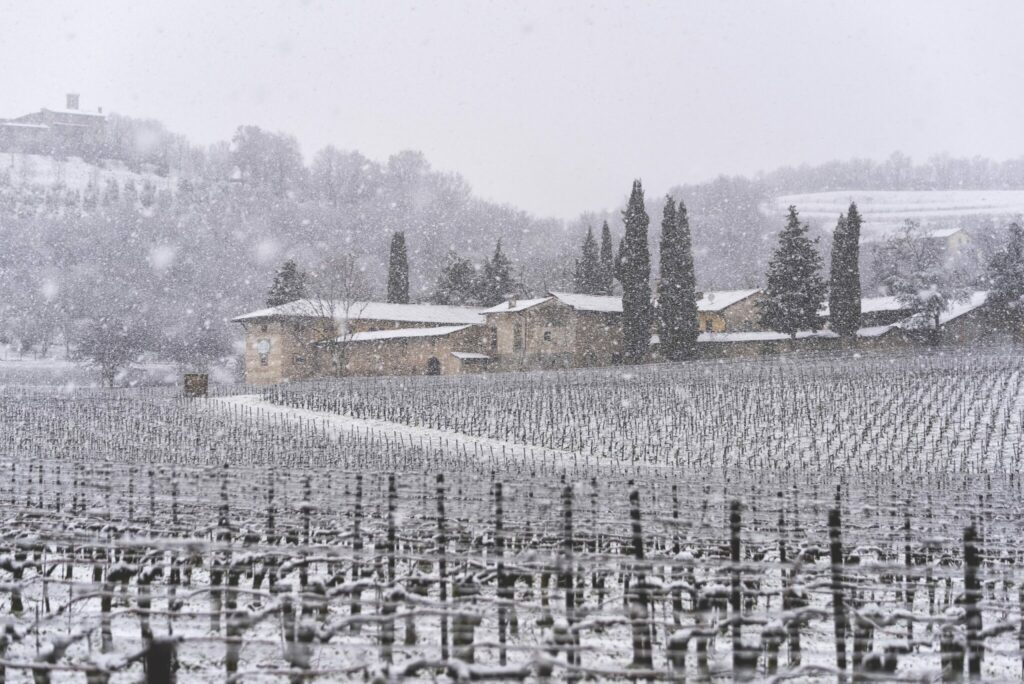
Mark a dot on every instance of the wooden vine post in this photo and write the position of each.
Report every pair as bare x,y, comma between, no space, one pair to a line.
442,565
972,597
838,605
638,612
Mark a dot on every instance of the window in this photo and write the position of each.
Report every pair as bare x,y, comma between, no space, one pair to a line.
494,339
517,337
263,349
299,360
547,336
263,328
708,325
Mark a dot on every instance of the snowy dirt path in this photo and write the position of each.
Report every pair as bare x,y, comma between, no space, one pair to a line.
335,424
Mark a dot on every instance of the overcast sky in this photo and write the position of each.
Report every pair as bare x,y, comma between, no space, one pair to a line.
550,106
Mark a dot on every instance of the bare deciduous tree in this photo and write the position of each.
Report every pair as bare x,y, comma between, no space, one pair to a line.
915,267
338,294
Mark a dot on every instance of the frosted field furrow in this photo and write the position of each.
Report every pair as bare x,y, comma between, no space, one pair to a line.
367,528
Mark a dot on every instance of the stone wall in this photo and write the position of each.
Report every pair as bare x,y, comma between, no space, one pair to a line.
290,356
412,355
554,335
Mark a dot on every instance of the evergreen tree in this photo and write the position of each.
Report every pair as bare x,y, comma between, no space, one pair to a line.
587,274
289,285
398,271
633,267
607,282
1005,302
844,286
497,281
795,288
914,269
457,284
677,291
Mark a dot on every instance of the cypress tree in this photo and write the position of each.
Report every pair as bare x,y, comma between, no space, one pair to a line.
844,286
795,287
1005,302
677,291
634,272
398,271
289,285
607,260
587,274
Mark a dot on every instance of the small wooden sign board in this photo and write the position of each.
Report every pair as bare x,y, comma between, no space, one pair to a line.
196,384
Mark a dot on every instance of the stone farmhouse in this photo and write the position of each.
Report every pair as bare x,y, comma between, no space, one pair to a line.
54,132
304,339
728,311
307,338
887,325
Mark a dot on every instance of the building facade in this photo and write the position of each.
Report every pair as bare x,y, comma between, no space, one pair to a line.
310,338
561,330
55,132
728,311
306,339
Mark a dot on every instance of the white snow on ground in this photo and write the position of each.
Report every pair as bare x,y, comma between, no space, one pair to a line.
885,210
335,424
73,173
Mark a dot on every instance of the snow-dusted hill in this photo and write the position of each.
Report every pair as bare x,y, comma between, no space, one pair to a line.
885,210
73,173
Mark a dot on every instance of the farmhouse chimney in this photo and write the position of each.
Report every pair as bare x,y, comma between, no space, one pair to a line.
72,101
512,303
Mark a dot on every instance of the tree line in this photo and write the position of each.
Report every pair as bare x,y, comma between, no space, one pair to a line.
914,267
173,254
796,287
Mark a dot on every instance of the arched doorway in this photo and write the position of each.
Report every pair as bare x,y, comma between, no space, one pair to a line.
433,366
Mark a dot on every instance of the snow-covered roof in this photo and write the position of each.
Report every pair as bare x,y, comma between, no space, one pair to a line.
709,301
369,311
942,232
953,312
470,356
876,330
762,336
883,231
722,299
773,336
871,305
514,305
584,302
401,333
14,124
75,112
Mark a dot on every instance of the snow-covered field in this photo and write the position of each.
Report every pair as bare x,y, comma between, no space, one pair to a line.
347,529
884,211
73,173
424,438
